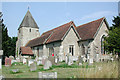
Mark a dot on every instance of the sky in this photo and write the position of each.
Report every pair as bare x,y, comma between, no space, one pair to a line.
49,15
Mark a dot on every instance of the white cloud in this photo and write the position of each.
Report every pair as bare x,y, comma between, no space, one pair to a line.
98,15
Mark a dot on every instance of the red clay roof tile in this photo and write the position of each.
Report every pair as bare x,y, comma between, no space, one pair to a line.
26,51
88,30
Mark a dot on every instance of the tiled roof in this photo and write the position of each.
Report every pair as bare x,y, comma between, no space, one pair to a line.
85,31
88,30
55,34
28,21
26,51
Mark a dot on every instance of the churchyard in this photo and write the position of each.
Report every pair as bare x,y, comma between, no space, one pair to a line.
106,69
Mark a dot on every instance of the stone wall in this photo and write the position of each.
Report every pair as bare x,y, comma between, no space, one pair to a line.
97,40
24,35
70,39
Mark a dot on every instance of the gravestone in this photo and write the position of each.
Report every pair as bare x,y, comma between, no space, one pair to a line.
33,67
12,61
47,65
24,61
90,61
70,60
30,62
47,75
80,60
43,60
39,61
97,57
18,59
7,61
66,59
84,59
1,53
56,59
52,59
11,57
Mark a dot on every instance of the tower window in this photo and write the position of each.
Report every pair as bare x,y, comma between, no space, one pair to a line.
30,30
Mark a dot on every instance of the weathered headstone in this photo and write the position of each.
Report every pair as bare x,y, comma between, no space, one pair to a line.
39,61
1,53
33,67
90,61
18,59
47,75
56,59
70,60
11,57
52,59
80,60
30,62
7,61
66,59
84,59
12,61
47,65
97,57
24,61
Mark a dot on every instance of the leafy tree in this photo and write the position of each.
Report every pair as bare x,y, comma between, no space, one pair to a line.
112,42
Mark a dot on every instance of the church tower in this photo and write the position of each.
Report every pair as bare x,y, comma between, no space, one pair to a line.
27,30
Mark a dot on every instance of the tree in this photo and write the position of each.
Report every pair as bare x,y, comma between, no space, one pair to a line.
8,43
112,42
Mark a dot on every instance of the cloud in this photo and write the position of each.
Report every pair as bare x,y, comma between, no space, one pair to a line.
98,15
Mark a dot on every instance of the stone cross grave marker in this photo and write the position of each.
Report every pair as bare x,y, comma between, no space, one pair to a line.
7,61
33,67
47,75
47,65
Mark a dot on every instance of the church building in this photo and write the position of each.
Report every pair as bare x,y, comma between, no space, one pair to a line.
67,39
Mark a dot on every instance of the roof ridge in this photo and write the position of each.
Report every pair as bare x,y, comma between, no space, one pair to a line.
57,27
90,22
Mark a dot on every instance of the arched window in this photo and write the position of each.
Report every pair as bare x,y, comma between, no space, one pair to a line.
102,45
83,49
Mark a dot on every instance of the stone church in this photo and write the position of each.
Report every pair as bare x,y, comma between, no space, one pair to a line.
67,39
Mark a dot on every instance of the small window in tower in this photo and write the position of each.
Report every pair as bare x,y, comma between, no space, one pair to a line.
19,31
30,30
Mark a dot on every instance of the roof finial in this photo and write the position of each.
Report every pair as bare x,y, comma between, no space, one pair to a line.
28,7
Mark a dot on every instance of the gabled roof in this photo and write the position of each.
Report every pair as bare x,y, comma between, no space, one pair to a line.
88,30
55,34
83,32
28,21
26,51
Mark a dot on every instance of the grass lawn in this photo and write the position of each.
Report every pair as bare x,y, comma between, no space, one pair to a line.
97,70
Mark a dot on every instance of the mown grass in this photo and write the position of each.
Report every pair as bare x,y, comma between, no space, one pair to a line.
97,70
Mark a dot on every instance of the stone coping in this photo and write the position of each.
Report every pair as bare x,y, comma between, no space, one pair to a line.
1,52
